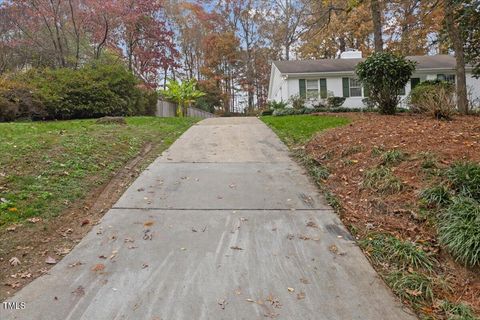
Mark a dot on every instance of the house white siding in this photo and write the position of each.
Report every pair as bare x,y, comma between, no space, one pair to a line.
473,90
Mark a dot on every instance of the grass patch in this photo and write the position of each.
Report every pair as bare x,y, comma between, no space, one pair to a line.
382,180
352,150
436,196
46,166
465,179
384,248
458,311
429,160
414,287
294,130
459,230
392,157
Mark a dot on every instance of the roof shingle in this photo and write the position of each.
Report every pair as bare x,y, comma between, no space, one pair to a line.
347,65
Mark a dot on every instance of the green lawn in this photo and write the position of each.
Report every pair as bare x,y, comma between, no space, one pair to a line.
45,166
294,130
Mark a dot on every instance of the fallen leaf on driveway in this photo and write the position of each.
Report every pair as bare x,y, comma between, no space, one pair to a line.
236,248
222,303
114,254
50,260
148,223
333,248
98,267
304,281
75,264
290,289
80,291
312,224
301,295
14,261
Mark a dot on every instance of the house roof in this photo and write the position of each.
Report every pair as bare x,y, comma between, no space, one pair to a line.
348,65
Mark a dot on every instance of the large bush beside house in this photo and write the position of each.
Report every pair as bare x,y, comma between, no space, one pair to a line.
385,75
102,88
434,98
19,100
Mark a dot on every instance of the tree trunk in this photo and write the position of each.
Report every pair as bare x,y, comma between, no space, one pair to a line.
377,25
456,38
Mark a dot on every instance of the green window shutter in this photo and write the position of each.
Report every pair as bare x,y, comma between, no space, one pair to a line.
346,87
366,91
414,82
302,88
323,88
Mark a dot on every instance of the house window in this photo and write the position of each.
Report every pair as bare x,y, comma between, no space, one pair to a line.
312,89
355,88
446,77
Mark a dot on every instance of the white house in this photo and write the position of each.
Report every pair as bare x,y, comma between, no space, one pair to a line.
319,79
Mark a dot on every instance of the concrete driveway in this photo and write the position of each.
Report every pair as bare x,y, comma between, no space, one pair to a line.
224,225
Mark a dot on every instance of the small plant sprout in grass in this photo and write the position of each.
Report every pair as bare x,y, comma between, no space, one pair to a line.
458,311
429,160
435,196
392,157
319,172
403,254
382,180
465,179
377,151
414,287
352,150
459,230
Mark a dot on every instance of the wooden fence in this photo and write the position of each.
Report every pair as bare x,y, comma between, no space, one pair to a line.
167,109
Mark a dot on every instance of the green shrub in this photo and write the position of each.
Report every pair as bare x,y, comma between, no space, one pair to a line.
459,230
284,112
297,102
335,102
385,74
384,248
465,179
382,180
436,196
274,105
414,287
434,98
102,88
19,100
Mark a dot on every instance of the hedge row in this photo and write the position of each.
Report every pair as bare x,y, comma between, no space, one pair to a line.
103,88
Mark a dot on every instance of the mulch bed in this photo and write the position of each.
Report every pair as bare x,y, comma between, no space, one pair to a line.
347,153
